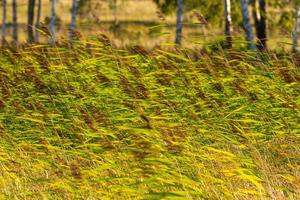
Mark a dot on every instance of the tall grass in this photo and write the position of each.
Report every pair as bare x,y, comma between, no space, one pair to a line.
94,122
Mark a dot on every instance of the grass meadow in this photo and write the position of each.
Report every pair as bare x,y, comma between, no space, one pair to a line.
95,122
120,113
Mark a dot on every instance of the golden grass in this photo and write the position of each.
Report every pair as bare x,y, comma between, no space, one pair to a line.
95,122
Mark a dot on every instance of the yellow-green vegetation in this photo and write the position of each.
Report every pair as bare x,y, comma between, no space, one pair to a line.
94,122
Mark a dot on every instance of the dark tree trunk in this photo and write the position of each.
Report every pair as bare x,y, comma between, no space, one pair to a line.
179,22
262,32
4,4
31,4
38,21
228,23
15,22
260,19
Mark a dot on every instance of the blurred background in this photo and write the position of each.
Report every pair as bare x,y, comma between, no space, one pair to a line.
152,22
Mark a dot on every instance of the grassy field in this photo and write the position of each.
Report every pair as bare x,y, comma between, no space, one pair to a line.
95,122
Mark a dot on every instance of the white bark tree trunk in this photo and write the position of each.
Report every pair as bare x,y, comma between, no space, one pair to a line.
4,3
52,23
179,22
228,23
247,25
73,19
296,28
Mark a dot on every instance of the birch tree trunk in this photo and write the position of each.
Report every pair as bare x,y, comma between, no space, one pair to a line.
4,4
30,14
73,19
247,25
228,23
179,22
38,21
15,22
296,29
52,23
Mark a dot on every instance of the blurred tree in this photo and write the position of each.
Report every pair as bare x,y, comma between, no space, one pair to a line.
89,9
15,22
4,9
38,21
73,19
212,10
52,22
166,6
179,22
84,6
247,24
113,5
228,23
30,13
